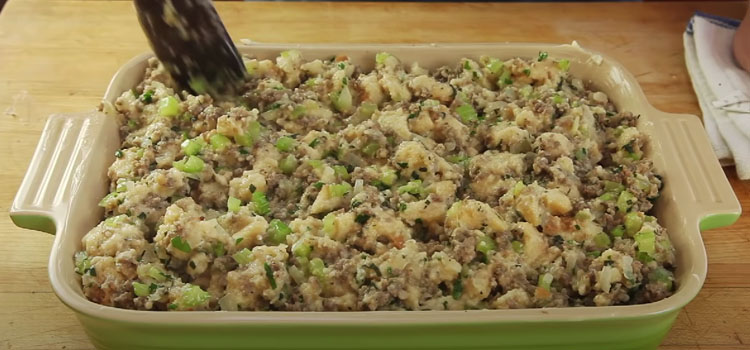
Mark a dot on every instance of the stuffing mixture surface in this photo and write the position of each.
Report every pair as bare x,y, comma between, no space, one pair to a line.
325,186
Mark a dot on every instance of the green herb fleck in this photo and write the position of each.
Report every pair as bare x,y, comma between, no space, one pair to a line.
269,274
147,96
362,218
542,56
458,288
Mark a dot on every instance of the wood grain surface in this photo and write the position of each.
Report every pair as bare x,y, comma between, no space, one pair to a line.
58,56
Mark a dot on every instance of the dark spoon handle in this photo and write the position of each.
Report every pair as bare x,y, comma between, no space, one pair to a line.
191,41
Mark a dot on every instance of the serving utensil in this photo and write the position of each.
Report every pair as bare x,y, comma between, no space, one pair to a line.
190,40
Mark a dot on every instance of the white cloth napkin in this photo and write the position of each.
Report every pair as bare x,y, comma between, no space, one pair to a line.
722,87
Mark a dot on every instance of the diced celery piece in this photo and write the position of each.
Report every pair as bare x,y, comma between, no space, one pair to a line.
219,142
180,244
254,128
285,143
644,257
662,275
261,204
315,163
608,197
557,99
219,250
467,113
298,111
277,231
192,147
414,187
244,256
244,140
518,187
381,57
341,172
288,164
505,78
140,289
192,165
625,201
329,223
250,136
495,65
107,198
454,209
602,240
485,245
193,296
370,149
366,109
430,103
564,64
389,177
342,100
545,281
301,249
115,221
643,184
83,262
583,215
517,246
457,158
317,268
611,186
461,96
633,223
233,204
340,190
646,241
156,273
169,107
251,66
199,84
290,54
618,231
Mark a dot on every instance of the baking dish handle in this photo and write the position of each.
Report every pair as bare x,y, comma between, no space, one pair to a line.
703,181
66,157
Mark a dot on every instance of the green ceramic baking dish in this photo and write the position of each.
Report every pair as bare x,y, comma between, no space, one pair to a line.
67,177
